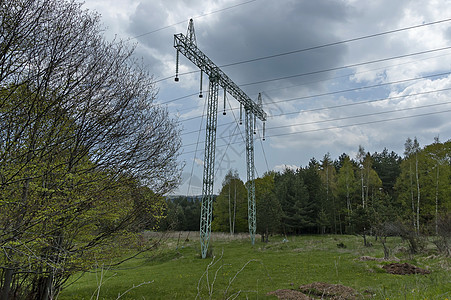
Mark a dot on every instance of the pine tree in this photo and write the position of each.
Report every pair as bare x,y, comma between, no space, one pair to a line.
269,211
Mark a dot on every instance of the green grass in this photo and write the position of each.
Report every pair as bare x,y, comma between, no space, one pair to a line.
175,273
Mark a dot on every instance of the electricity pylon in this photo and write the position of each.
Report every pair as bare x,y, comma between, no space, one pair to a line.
187,46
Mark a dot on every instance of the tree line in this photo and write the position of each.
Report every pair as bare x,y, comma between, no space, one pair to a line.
347,195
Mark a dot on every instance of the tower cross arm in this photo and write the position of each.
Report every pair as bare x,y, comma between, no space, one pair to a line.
196,56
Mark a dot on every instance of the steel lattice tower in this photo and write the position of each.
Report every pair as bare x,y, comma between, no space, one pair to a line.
188,47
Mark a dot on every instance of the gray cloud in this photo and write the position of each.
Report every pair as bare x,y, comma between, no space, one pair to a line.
266,27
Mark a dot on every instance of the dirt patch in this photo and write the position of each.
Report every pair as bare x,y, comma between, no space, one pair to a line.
370,258
404,269
329,291
290,295
318,290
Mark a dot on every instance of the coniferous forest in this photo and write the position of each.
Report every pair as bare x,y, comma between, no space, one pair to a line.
380,193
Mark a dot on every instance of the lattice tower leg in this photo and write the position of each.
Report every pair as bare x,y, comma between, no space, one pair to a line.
209,166
252,218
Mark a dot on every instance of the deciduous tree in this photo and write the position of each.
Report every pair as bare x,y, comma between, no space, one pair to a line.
347,185
230,207
84,152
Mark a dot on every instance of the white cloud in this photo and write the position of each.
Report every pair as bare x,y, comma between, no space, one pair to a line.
283,167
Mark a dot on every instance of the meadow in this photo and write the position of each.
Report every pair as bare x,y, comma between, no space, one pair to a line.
242,271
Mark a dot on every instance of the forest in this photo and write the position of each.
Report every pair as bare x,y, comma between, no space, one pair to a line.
381,192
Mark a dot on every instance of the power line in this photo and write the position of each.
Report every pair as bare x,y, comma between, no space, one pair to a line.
363,102
337,43
313,82
263,150
179,98
327,70
342,91
319,46
344,126
356,73
362,123
196,17
349,104
360,116
197,145
225,151
345,67
230,141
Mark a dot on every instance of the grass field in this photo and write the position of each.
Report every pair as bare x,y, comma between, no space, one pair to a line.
241,270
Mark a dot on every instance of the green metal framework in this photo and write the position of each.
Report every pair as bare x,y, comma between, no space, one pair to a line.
209,166
187,46
251,210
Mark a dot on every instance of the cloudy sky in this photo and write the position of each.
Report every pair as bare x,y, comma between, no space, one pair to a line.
333,74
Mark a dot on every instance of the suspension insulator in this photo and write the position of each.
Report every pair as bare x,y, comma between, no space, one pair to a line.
255,124
200,89
241,114
264,123
224,112
177,66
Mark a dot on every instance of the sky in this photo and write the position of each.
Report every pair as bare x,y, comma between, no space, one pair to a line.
333,75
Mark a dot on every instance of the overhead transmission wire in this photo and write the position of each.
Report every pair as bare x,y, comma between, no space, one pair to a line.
320,46
337,43
195,17
352,90
340,92
344,67
318,81
387,67
362,102
225,151
352,117
263,150
197,145
363,123
348,125
190,132
237,126
326,70
351,104
332,69
369,101
345,105
361,116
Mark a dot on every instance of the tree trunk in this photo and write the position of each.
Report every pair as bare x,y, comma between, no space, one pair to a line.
363,190
367,184
436,201
418,194
7,279
266,235
48,288
386,250
230,215
411,195
234,210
